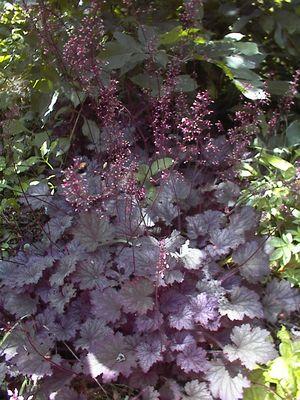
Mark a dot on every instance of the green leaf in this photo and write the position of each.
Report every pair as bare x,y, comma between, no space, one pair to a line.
76,96
247,48
127,42
160,165
277,242
23,166
63,145
116,56
43,85
286,256
292,275
279,88
283,335
249,90
44,149
172,36
147,35
161,58
237,61
40,138
277,254
278,162
267,23
185,83
16,126
293,134
287,237
2,163
4,58
143,173
278,370
259,389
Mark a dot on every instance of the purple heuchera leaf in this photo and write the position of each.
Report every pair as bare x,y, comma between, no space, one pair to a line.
55,228
149,352
149,393
29,272
150,322
243,302
244,220
90,273
54,384
58,297
280,297
182,319
110,357
65,267
182,340
173,190
163,207
141,258
192,359
136,296
20,304
106,305
223,241
93,231
37,196
251,346
31,360
91,331
128,217
174,241
191,258
223,385
227,193
253,262
204,310
170,390
195,390
171,276
64,327
201,224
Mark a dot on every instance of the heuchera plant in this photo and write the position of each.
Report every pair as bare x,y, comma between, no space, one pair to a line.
146,273
135,290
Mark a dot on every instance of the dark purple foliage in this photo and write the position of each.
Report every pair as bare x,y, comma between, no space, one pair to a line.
110,298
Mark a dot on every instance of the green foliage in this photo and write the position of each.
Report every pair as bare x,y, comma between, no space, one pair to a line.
274,190
280,379
28,93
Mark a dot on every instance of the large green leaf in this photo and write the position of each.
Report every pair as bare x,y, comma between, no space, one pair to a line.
160,165
185,83
293,133
278,163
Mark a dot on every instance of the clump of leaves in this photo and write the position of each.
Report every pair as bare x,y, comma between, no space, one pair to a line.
281,374
135,293
29,147
274,191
